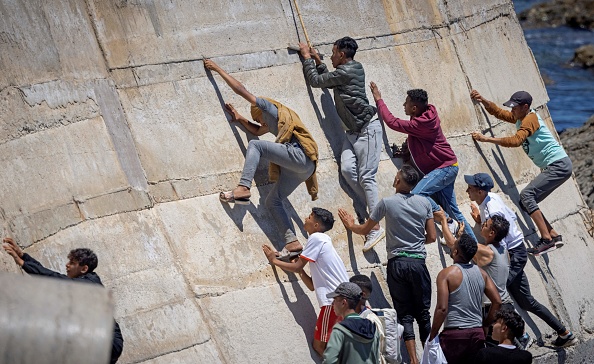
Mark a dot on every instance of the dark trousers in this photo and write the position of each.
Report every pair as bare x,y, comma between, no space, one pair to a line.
410,287
519,288
460,346
117,344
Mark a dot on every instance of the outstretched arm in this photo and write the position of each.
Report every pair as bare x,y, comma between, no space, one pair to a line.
442,219
28,263
293,267
493,109
235,85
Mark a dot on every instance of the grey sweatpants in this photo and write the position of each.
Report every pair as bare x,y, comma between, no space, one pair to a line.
546,182
359,162
295,168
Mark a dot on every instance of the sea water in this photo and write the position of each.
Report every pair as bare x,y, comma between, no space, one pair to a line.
571,90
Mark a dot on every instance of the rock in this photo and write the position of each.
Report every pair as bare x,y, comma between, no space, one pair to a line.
584,56
579,145
572,13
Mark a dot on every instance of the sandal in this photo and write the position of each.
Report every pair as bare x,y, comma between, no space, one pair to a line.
286,256
228,197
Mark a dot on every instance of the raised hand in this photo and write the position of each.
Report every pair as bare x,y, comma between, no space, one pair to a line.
439,215
476,96
235,115
304,50
270,254
377,95
478,137
475,213
209,64
315,55
13,250
347,219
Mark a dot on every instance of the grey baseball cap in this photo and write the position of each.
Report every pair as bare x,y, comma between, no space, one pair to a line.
346,290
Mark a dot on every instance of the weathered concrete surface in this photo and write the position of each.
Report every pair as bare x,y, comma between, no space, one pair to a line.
50,321
113,136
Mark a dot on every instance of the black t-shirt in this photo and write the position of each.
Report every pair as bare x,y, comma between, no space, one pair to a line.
500,354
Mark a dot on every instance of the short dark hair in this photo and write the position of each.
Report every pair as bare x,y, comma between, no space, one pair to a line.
84,256
418,96
363,282
500,226
467,246
512,320
410,175
324,217
347,45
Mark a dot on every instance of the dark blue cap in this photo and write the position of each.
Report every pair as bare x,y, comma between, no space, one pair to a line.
480,180
519,98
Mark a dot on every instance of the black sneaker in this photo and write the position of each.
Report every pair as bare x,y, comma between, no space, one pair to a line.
543,246
558,240
524,341
568,341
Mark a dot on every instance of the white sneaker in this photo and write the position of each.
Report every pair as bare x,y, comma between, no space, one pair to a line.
454,227
374,237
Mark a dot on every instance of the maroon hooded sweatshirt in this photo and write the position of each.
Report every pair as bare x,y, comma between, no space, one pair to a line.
427,144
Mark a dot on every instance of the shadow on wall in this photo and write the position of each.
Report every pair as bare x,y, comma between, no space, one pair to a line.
302,310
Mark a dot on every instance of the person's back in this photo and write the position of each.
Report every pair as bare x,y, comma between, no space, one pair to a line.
360,341
502,354
465,302
405,216
347,83
460,289
498,270
493,205
326,266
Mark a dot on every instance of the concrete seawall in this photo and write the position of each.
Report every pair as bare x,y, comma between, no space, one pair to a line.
113,137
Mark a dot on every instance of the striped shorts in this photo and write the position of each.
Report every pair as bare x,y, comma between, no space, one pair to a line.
326,320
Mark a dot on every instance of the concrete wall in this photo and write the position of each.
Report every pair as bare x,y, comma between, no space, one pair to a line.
112,136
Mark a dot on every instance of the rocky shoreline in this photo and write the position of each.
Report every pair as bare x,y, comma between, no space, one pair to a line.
579,145
572,13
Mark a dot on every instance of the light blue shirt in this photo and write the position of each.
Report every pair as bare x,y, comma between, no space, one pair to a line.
542,148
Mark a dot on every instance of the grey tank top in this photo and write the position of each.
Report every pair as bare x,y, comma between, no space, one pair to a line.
498,270
465,302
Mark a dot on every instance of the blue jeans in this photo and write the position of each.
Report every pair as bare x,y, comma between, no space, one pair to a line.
440,182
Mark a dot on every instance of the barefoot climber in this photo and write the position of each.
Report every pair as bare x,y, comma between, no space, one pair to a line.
293,157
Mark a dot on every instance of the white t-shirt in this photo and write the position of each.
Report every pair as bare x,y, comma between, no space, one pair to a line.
493,205
327,269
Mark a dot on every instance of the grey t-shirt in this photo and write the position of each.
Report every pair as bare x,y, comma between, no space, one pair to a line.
270,114
406,215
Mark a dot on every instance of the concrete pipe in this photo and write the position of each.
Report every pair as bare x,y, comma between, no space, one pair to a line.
44,320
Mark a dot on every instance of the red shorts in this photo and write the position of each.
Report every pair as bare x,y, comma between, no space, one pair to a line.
326,320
